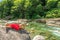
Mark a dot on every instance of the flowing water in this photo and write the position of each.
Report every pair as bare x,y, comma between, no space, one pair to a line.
54,30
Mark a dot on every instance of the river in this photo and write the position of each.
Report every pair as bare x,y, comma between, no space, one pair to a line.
54,30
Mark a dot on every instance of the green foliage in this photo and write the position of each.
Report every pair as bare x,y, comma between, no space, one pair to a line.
52,14
28,9
53,7
58,4
52,4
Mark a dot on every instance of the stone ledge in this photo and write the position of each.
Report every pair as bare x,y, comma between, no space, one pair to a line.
13,35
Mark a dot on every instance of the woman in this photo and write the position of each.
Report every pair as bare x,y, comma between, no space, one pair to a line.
15,26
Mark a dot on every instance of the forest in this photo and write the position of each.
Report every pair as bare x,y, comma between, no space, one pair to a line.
29,9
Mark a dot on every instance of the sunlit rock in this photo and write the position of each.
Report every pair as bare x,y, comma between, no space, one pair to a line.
13,34
39,37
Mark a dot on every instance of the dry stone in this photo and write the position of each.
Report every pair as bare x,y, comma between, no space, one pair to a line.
13,34
39,37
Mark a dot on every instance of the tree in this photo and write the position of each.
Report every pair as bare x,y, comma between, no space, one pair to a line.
30,9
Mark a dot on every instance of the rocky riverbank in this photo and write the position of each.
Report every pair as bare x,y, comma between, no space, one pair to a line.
49,22
13,35
20,35
53,22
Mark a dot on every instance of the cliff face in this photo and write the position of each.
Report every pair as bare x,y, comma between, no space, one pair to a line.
13,35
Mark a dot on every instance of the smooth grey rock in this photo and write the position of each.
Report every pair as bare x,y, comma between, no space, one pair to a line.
39,37
13,34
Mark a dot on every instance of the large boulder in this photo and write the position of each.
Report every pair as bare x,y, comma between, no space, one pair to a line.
13,34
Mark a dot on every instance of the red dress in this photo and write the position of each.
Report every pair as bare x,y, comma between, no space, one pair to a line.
15,26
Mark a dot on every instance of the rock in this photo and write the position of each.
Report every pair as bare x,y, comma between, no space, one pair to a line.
40,20
53,22
50,22
13,34
38,37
